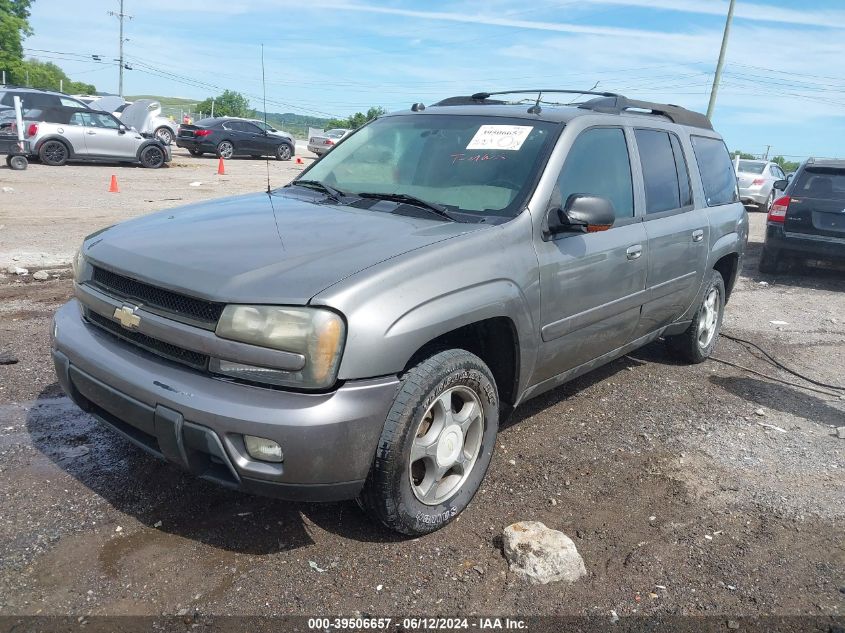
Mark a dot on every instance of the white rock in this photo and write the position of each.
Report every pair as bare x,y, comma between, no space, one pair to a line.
8,190
541,554
840,432
41,275
779,322
17,270
196,183
760,412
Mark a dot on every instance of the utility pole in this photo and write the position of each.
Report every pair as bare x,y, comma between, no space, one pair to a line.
718,76
768,147
120,15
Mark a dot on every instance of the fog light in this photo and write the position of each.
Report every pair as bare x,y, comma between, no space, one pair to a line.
263,449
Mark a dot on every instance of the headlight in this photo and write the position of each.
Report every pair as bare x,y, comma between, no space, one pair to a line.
78,265
316,334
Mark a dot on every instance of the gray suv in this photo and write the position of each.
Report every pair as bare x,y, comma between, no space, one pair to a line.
362,332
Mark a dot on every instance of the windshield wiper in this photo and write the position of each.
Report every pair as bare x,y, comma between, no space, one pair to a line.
435,208
335,194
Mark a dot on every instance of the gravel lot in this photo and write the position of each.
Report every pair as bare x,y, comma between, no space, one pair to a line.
703,490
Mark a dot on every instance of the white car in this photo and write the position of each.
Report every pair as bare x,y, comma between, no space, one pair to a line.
145,112
756,179
322,143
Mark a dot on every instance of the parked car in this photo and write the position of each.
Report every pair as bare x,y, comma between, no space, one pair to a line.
62,134
145,113
362,331
756,182
808,221
230,136
322,143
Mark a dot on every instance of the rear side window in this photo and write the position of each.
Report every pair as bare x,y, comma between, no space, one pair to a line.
821,183
664,171
716,169
598,164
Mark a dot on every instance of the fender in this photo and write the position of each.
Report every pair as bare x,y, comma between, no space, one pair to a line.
54,137
146,144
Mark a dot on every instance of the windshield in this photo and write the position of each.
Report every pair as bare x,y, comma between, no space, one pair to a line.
751,167
335,133
470,164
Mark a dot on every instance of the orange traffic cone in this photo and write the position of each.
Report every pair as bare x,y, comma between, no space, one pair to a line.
113,188
299,161
221,168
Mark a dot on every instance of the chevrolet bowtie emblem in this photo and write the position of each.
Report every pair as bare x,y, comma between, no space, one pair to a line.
127,318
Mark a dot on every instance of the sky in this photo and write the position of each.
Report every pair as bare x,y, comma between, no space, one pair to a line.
783,84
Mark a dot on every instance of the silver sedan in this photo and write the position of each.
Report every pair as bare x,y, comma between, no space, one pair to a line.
756,182
322,143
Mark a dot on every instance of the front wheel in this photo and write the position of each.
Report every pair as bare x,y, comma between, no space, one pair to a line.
697,343
283,152
436,444
164,134
152,157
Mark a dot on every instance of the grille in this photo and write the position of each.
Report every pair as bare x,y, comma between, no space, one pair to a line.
160,348
173,303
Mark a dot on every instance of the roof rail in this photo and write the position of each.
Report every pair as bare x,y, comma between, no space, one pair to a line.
618,104
484,97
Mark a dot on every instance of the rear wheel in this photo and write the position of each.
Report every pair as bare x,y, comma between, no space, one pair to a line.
225,149
54,153
697,343
283,152
152,157
436,444
765,208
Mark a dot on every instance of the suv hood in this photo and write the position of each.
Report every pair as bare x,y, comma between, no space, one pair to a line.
260,248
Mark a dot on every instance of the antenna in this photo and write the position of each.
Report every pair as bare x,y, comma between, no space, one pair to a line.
264,88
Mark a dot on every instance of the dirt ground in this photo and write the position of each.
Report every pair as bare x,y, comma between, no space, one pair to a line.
700,490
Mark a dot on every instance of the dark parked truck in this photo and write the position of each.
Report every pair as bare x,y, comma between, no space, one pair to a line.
361,332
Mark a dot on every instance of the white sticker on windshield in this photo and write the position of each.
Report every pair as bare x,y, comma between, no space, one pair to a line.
500,137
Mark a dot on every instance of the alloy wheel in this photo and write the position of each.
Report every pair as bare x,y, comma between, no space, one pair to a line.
708,318
226,149
446,445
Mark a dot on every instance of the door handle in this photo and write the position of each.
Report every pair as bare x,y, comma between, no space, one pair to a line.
634,251
698,235
92,133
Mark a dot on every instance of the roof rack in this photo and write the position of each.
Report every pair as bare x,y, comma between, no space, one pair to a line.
607,102
618,104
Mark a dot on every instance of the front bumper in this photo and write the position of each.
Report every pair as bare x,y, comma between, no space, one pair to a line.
198,422
805,245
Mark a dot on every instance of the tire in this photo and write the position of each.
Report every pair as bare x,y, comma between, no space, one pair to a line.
697,343
771,261
396,493
195,152
54,153
768,205
164,134
16,163
284,152
152,157
225,149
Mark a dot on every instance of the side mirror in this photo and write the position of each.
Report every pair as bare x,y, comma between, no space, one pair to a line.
121,129
781,184
583,214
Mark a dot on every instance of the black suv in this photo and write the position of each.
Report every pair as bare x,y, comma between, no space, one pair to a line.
808,221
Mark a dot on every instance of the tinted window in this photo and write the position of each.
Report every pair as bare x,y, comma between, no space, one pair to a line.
716,169
598,164
821,182
660,172
249,127
751,167
684,188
